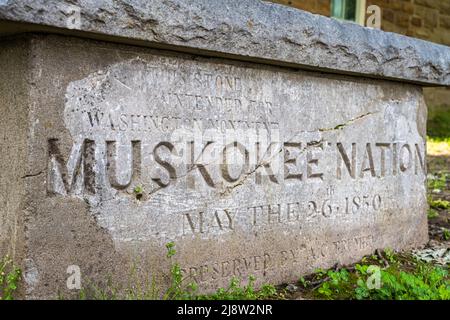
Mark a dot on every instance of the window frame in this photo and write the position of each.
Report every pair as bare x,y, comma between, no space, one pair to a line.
360,12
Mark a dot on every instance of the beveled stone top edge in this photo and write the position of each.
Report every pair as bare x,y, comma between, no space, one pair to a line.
247,30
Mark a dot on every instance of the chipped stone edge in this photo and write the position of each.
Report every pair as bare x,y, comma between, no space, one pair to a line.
250,30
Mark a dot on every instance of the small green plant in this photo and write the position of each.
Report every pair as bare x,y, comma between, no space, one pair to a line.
303,282
335,284
424,282
236,291
9,278
175,291
432,214
390,255
320,273
170,250
446,234
437,181
439,204
139,192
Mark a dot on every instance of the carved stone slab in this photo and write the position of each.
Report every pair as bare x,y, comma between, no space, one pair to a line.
248,169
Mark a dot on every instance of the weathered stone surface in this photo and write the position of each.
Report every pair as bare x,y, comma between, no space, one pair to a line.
249,169
251,30
14,128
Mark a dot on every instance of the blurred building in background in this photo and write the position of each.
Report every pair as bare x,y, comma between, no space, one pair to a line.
424,19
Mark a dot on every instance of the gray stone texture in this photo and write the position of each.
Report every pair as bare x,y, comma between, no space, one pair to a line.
84,125
246,30
14,106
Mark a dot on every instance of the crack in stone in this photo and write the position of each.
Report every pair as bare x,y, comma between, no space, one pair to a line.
227,190
32,175
259,165
347,123
264,162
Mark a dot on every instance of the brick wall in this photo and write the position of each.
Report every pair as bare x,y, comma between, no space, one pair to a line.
424,19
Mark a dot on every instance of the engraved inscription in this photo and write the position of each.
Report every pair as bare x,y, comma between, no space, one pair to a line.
250,170
361,165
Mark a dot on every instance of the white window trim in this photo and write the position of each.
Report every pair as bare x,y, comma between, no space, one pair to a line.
361,12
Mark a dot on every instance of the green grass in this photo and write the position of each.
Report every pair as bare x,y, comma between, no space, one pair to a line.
393,277
9,278
439,204
437,181
439,122
237,291
446,234
432,214
438,131
382,276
